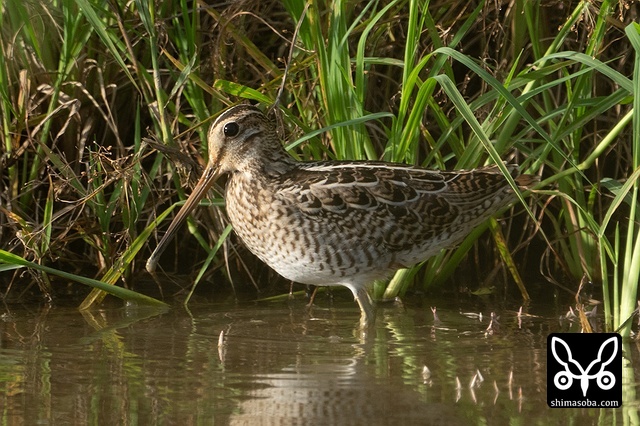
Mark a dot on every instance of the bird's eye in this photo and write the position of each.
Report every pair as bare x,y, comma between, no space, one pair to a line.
231,129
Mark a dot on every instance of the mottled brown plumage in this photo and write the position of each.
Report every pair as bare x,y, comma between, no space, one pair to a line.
338,222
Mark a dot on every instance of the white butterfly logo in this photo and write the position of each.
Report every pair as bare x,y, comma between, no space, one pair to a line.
564,379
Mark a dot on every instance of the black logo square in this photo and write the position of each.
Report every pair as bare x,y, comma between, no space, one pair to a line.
584,370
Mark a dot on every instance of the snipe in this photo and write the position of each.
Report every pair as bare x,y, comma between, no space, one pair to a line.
338,222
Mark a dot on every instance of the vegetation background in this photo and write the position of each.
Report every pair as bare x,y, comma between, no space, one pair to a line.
104,107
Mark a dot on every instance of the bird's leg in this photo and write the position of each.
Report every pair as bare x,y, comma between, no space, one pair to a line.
366,305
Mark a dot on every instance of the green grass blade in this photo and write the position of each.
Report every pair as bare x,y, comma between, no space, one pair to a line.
241,91
112,44
207,262
119,266
47,222
356,121
11,260
631,259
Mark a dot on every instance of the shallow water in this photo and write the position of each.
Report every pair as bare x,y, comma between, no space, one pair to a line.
283,364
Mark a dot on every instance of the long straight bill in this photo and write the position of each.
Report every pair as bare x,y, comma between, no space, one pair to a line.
201,189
